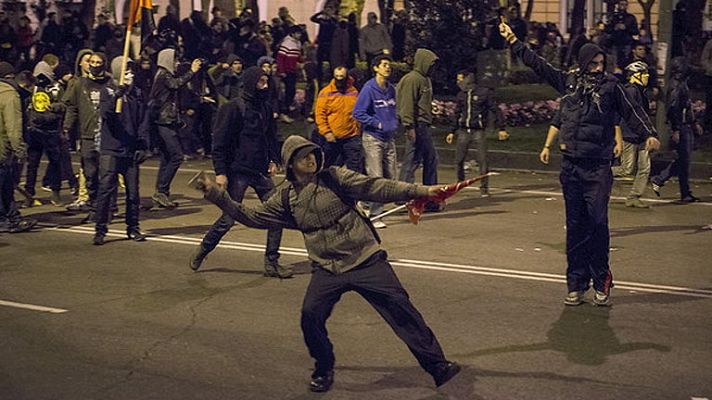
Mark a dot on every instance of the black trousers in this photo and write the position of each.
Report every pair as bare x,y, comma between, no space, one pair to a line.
38,143
110,168
681,166
347,152
9,215
90,166
376,282
586,184
171,158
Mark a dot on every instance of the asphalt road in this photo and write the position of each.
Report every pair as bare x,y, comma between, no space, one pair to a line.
131,321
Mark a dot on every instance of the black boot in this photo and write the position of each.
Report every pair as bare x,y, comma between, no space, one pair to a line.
446,372
196,259
98,239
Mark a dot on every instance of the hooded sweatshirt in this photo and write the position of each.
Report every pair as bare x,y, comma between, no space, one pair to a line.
11,142
82,104
123,133
333,110
591,105
164,92
415,91
474,104
377,106
336,236
245,134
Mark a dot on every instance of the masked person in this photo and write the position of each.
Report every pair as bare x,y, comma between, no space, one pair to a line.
164,113
321,204
124,144
681,118
635,157
592,103
340,132
82,105
246,154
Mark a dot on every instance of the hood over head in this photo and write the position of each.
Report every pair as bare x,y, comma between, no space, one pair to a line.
587,53
424,60
468,83
679,67
250,77
78,59
167,60
265,60
42,68
296,147
6,69
231,58
116,67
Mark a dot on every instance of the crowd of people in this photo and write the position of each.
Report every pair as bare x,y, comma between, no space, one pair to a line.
219,89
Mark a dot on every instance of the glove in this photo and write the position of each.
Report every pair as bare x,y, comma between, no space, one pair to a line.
121,90
140,156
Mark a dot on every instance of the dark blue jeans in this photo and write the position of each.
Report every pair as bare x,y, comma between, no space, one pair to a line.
586,184
236,187
171,158
681,166
347,152
109,169
421,150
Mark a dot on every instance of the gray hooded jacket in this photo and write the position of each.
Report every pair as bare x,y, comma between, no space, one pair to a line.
336,236
415,91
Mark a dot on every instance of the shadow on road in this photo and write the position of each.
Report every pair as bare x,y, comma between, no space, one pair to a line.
638,230
582,334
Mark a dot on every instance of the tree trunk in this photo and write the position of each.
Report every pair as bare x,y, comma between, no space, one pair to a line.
647,8
530,8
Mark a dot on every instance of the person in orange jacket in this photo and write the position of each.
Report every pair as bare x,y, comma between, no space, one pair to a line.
339,133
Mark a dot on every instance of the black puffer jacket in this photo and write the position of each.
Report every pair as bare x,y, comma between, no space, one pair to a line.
245,134
590,105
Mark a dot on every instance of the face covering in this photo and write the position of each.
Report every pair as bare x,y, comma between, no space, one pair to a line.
128,78
96,72
340,85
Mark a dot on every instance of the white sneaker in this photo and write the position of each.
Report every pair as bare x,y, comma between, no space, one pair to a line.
378,224
286,118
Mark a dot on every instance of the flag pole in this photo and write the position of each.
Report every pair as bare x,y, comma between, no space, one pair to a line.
124,59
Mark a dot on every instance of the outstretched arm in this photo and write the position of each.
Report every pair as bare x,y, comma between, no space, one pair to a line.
553,76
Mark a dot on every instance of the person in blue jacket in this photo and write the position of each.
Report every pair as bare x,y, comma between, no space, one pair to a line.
375,109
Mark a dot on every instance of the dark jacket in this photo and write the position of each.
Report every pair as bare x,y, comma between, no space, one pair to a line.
637,95
415,91
590,107
82,106
474,104
679,105
245,134
123,133
164,92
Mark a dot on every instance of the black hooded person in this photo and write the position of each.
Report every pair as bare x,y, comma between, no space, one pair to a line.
681,118
123,145
246,154
592,103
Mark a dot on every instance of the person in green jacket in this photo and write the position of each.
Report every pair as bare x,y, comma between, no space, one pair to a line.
345,251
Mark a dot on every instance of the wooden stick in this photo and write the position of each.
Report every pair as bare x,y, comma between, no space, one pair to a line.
124,63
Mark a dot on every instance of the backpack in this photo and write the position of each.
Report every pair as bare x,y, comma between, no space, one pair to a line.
328,179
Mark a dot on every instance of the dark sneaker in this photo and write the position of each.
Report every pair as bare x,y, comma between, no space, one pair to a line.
23,225
162,200
601,299
136,235
275,270
574,298
689,199
196,259
90,218
77,205
98,239
445,373
321,383
56,199
656,188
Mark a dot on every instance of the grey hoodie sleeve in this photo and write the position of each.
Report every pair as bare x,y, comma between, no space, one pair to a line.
362,187
270,214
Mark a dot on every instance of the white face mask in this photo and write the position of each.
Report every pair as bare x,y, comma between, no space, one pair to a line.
128,78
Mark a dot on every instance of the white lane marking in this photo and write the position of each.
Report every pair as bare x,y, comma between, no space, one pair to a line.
429,265
32,307
495,190
699,398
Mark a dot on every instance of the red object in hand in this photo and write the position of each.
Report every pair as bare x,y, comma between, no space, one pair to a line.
416,206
